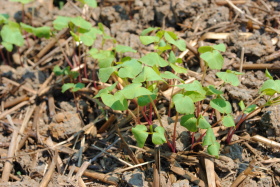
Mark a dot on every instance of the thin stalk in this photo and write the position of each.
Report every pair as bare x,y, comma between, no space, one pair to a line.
239,123
151,112
174,133
160,122
156,111
145,116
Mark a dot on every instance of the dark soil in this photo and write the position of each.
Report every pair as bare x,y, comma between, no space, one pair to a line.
81,127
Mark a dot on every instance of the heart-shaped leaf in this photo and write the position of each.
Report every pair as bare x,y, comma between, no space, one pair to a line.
153,59
214,59
209,138
158,137
203,123
140,133
183,104
134,90
214,149
130,69
116,102
190,122
228,121
221,105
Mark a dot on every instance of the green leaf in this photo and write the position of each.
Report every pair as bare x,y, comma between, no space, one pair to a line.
104,57
123,49
106,90
91,3
228,121
148,30
158,137
152,59
163,48
130,69
78,86
241,105
67,86
214,149
115,102
180,44
61,22
172,58
214,59
22,1
190,122
88,38
270,87
8,46
178,69
221,105
220,47
211,90
105,73
143,100
148,74
228,77
81,23
250,109
76,37
146,40
268,75
204,49
140,133
134,90
57,71
183,104
169,75
10,33
3,18
26,27
203,123
42,32
209,138
194,90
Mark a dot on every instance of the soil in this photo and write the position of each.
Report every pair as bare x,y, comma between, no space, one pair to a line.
55,139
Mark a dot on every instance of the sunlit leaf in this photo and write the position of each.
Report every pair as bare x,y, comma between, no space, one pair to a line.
158,136
183,104
190,122
140,133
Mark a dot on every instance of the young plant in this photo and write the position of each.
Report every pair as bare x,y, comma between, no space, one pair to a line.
67,73
139,78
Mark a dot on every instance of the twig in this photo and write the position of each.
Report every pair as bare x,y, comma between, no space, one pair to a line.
50,171
6,112
122,161
247,16
105,126
8,164
98,155
266,141
50,44
42,60
17,84
242,176
15,101
98,176
210,172
132,167
187,175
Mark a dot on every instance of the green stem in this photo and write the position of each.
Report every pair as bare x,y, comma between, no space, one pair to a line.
155,109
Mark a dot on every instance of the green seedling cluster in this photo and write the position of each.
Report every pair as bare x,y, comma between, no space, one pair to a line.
139,79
